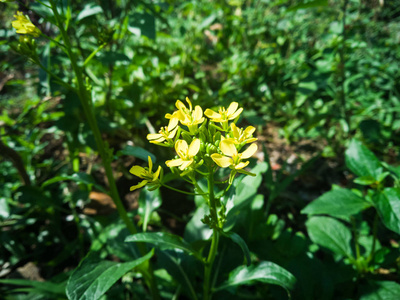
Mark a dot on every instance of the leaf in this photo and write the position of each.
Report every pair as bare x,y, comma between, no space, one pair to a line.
242,244
337,203
142,24
4,208
93,278
88,11
165,241
381,290
265,272
387,203
38,286
77,177
137,152
148,203
361,161
331,234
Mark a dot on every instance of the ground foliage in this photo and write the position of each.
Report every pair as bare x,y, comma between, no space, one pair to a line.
320,81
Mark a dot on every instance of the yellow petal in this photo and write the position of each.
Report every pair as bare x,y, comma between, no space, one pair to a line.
137,171
154,136
190,103
173,123
232,108
228,148
181,148
150,163
179,105
241,165
157,173
251,140
174,162
249,151
185,164
222,161
138,186
235,131
198,113
236,114
173,132
249,131
194,147
212,114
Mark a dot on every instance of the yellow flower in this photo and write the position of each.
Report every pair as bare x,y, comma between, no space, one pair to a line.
187,116
186,154
231,157
150,178
223,116
24,26
166,134
240,136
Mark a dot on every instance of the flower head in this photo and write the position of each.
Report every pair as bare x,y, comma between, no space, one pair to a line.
187,116
166,134
186,154
150,178
231,157
24,26
240,136
223,116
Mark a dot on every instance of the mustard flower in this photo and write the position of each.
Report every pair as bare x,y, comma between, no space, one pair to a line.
166,134
186,154
188,116
150,178
231,157
24,26
240,136
224,115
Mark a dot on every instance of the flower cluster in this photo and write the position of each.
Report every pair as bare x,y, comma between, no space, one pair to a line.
201,144
24,26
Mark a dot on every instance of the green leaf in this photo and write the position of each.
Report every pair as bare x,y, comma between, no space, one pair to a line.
361,161
77,177
164,241
4,208
381,290
365,180
89,10
331,234
265,272
137,152
38,286
242,244
309,4
148,204
94,277
387,203
337,203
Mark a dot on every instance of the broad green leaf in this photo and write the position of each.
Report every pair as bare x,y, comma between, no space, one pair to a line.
149,201
90,9
331,234
164,241
138,152
242,244
38,286
381,290
387,203
94,277
78,178
265,272
337,203
362,161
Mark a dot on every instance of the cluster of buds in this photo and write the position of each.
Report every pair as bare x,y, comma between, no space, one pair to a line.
201,142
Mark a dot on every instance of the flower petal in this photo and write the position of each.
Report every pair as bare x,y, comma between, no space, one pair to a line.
190,104
232,108
179,105
185,164
212,114
249,151
173,123
173,132
236,114
174,162
194,148
154,136
197,113
150,164
228,148
221,160
249,131
235,131
181,148
157,173
137,171
138,186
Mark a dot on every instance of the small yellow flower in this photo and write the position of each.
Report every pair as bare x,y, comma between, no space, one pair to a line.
166,134
186,154
24,26
240,136
223,116
231,157
150,178
187,116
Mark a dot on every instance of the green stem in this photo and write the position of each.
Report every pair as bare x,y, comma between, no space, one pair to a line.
104,151
374,232
180,191
88,59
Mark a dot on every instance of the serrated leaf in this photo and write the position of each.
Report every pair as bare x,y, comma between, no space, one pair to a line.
95,277
387,203
362,161
331,234
265,272
242,244
164,241
337,203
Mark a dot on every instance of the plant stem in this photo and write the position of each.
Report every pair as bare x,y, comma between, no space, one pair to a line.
374,232
180,191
